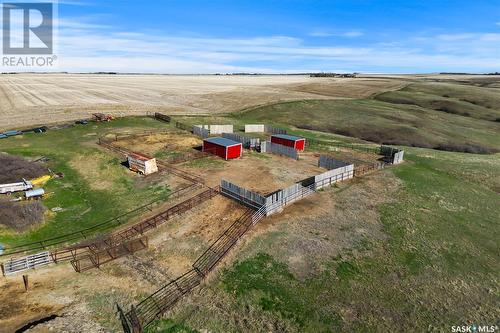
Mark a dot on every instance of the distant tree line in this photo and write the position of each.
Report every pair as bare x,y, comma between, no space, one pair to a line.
333,75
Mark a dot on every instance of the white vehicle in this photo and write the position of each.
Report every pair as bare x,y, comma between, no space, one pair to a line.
16,187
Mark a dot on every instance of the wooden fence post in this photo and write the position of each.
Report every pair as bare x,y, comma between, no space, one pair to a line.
26,282
134,320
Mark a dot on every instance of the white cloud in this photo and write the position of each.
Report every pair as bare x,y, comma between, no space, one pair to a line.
320,34
352,34
86,46
455,37
325,33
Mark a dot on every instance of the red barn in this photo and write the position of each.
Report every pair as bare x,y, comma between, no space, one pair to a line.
225,148
290,141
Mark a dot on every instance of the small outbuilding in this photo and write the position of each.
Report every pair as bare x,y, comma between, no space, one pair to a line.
222,147
295,142
142,164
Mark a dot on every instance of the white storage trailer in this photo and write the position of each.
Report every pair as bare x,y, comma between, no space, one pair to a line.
141,163
16,187
34,194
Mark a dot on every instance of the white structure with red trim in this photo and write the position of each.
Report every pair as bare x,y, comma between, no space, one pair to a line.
141,163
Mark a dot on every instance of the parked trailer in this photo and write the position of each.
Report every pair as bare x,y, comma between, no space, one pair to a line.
12,133
98,117
141,163
16,187
295,142
41,129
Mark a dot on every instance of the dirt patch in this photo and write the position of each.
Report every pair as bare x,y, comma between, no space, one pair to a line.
264,173
176,245
160,143
338,221
18,307
14,169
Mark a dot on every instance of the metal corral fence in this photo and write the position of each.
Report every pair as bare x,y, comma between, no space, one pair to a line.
139,228
258,128
274,148
255,128
333,176
274,130
201,132
95,229
247,142
162,117
219,129
185,157
330,163
94,259
214,129
393,155
359,147
242,195
183,126
14,266
279,199
163,299
163,165
102,249
364,169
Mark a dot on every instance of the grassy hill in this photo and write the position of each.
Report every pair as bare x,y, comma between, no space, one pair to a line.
463,100
445,116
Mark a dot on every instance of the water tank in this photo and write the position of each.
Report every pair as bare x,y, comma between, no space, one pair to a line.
34,193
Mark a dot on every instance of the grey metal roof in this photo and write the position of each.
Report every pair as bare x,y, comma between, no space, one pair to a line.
288,137
222,141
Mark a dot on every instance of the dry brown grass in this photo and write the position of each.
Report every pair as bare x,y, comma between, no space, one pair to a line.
14,169
21,216
28,99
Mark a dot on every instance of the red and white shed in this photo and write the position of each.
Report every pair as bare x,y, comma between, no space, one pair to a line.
141,163
222,147
290,141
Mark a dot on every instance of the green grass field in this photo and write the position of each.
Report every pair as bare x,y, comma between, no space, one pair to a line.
95,186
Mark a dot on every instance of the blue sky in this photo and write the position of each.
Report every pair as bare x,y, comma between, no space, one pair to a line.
279,36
